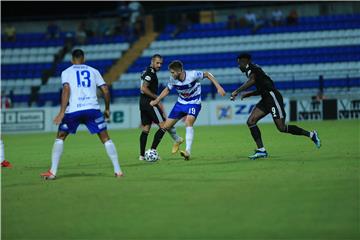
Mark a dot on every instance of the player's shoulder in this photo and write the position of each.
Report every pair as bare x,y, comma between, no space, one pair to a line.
149,71
90,68
148,74
194,73
254,66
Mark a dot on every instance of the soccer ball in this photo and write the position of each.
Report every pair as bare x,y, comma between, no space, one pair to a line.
151,155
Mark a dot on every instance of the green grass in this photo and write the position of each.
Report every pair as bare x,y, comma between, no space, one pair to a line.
298,193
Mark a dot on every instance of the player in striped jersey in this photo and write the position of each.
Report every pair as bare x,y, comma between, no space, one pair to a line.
271,102
187,84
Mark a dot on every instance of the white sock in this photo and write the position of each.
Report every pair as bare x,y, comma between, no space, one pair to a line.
261,149
174,136
56,155
311,134
189,138
2,154
112,153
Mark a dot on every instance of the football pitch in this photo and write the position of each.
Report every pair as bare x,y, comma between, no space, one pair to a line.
299,192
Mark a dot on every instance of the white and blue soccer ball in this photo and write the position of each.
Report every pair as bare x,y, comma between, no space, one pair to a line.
151,155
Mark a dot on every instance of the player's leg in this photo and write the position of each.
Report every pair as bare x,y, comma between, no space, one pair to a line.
143,139
4,163
57,150
295,130
68,125
279,115
169,123
192,113
172,131
111,152
146,120
95,122
256,114
174,116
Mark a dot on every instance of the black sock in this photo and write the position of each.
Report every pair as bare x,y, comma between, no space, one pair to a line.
157,138
143,140
256,134
295,130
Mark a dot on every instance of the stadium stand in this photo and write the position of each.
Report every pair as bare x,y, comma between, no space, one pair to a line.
24,63
294,56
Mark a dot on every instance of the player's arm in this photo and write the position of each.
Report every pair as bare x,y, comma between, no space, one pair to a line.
249,94
106,94
163,94
212,79
65,95
145,89
250,82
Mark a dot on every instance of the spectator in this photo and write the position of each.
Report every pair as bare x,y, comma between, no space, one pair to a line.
182,26
52,31
292,18
102,29
80,34
250,19
277,17
232,22
6,100
123,10
136,9
10,33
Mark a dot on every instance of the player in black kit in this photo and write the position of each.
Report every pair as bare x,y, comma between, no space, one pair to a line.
149,114
271,102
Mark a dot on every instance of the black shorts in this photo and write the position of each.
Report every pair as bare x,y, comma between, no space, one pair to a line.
151,115
272,102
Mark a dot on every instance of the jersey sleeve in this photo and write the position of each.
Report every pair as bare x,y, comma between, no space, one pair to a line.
170,84
147,77
99,79
64,78
198,75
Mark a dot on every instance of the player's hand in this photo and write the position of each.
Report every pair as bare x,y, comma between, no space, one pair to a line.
58,118
154,102
221,91
107,115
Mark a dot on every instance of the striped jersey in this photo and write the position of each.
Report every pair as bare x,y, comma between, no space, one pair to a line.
83,81
189,90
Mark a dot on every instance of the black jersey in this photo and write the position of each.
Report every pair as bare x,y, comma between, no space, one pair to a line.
148,75
263,82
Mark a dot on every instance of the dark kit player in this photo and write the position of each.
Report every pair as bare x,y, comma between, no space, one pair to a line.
271,102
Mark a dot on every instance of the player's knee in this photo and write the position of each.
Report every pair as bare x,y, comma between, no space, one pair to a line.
250,122
282,128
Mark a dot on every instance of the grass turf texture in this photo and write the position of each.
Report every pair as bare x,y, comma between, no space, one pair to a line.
300,192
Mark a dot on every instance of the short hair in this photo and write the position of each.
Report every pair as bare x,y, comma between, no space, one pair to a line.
176,65
156,56
244,55
78,53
